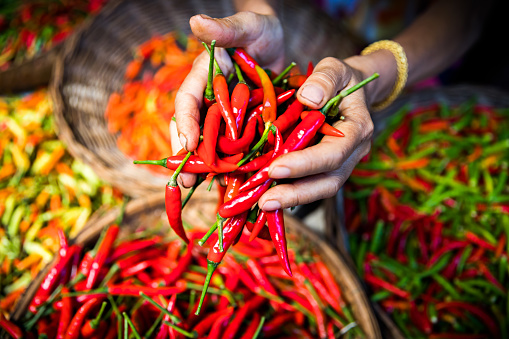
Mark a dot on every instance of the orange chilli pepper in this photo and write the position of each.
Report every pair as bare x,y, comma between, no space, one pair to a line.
269,96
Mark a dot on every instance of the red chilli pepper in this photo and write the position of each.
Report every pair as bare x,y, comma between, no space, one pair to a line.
73,332
183,263
280,99
194,164
259,224
227,146
223,100
253,326
240,99
297,140
65,314
51,278
256,163
10,328
232,228
288,118
326,128
276,223
479,242
102,255
240,316
246,63
173,203
221,321
388,286
257,271
232,188
210,133
243,201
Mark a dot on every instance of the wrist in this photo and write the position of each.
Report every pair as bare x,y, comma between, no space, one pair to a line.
381,62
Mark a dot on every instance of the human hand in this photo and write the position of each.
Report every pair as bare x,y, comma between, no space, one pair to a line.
322,169
260,35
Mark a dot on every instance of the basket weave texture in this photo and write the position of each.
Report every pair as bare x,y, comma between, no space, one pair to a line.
199,212
451,95
93,61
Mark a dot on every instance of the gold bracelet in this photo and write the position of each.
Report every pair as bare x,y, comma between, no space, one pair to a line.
402,64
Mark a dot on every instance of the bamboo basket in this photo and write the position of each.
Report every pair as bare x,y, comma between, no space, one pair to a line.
92,65
452,95
199,212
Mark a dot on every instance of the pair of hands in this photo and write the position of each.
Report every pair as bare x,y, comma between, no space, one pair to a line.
320,170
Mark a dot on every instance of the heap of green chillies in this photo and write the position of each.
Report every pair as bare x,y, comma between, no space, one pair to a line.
427,213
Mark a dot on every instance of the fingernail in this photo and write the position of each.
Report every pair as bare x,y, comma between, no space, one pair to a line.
183,140
312,93
205,16
280,172
271,205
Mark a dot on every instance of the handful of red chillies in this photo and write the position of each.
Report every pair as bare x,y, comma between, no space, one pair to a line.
154,294
428,217
282,124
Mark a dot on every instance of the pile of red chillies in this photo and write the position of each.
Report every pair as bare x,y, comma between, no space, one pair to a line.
229,149
428,217
145,285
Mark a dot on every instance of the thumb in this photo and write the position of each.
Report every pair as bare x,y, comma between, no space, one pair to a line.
329,77
261,35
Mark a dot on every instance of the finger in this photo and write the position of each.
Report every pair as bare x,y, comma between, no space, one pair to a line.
188,102
309,189
329,76
184,179
331,152
262,35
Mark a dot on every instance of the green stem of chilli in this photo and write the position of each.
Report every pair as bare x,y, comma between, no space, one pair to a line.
280,77
337,99
218,69
173,179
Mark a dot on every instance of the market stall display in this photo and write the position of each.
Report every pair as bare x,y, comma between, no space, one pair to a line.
427,216
175,274
45,193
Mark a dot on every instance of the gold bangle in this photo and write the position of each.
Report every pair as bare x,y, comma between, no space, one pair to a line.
402,64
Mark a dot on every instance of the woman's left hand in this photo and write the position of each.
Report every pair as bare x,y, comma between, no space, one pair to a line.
322,169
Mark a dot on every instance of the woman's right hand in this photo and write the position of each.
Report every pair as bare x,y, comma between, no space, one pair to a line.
260,35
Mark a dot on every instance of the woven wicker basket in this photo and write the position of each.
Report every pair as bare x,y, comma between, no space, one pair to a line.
150,209
29,74
93,61
453,95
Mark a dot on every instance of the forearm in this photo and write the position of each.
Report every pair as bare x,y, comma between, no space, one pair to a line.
439,37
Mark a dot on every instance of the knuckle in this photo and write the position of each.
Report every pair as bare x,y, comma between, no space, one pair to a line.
327,78
330,161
